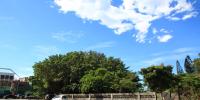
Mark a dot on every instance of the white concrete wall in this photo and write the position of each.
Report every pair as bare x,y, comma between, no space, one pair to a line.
114,96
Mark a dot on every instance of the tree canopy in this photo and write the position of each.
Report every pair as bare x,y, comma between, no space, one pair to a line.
179,68
196,65
188,65
83,72
158,78
93,72
189,86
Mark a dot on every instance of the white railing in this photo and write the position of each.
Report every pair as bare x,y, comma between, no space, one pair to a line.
112,96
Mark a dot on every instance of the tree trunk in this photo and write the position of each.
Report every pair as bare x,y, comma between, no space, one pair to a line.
161,95
179,97
156,96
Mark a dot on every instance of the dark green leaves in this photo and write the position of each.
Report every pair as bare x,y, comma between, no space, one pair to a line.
158,78
86,72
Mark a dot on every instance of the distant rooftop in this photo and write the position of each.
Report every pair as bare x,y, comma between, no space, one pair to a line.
6,73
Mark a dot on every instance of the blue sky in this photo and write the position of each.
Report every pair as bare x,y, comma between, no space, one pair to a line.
141,33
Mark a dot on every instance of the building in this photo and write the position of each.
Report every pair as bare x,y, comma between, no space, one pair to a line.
6,76
8,84
24,79
6,80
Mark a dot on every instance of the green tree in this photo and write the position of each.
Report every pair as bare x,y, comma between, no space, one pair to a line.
179,68
190,86
158,78
97,81
188,65
196,63
67,73
104,81
130,83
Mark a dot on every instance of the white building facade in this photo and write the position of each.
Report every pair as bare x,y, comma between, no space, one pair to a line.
6,80
6,76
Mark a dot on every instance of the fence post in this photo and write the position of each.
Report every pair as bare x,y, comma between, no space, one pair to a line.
155,95
138,95
89,97
111,96
72,96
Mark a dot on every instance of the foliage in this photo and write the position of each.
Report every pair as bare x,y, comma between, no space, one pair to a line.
187,85
158,78
190,86
97,80
105,81
179,68
130,83
77,72
188,65
196,63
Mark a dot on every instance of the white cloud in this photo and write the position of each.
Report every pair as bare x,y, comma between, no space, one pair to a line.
101,45
192,14
164,38
131,14
154,61
154,31
177,51
166,58
70,37
161,38
164,30
184,50
173,55
173,18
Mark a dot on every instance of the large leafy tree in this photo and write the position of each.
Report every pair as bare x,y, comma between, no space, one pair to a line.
102,80
96,81
189,86
158,78
130,83
70,73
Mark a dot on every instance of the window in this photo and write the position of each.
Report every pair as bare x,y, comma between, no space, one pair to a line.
11,77
2,76
7,77
64,97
